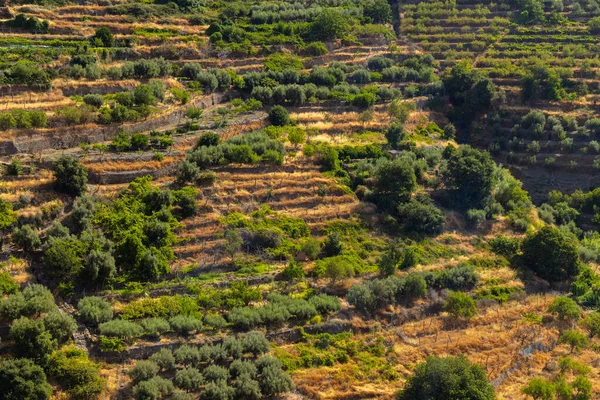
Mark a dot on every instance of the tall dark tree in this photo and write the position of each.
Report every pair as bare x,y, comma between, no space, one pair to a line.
71,176
469,176
551,254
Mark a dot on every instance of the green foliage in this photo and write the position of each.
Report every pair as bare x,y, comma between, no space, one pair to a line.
542,82
154,327
120,329
94,310
71,176
470,92
505,246
141,224
7,215
293,271
7,285
164,359
395,180
551,254
469,177
33,301
185,325
26,238
565,308
329,25
279,116
143,370
447,378
378,11
76,373
282,61
460,305
103,37
419,215
577,340
189,379
591,323
539,388
32,340
21,379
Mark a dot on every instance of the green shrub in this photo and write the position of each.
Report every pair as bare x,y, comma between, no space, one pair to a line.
279,116
120,328
551,254
189,379
7,285
22,379
154,326
185,325
143,370
94,310
164,359
460,305
443,377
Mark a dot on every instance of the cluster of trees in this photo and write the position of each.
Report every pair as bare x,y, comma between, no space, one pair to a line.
32,24
27,73
280,309
251,148
542,82
125,141
469,92
85,66
37,328
378,293
23,119
237,368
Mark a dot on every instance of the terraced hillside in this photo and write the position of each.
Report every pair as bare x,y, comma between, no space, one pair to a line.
268,199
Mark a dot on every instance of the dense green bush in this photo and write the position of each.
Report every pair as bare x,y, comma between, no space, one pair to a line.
22,379
120,328
279,116
185,325
143,370
71,177
447,378
551,254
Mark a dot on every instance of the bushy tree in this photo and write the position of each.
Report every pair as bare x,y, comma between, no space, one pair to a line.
378,11
565,308
551,254
71,176
164,359
26,238
32,340
189,379
394,182
460,305
155,326
421,216
329,25
143,370
274,381
469,175
22,379
94,310
591,323
60,325
470,92
539,389
217,391
104,37
447,378
278,116
577,340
